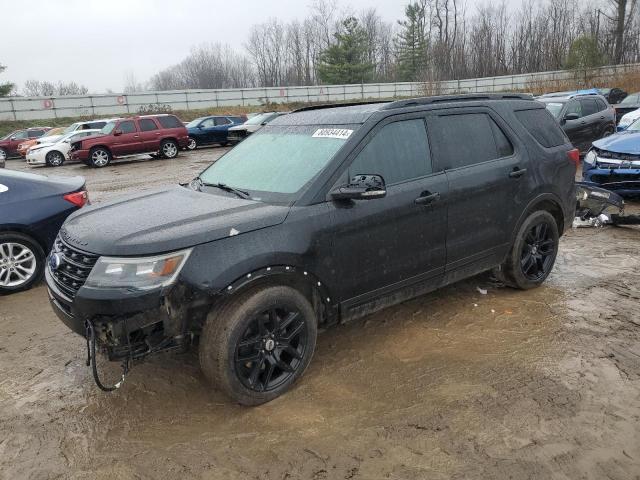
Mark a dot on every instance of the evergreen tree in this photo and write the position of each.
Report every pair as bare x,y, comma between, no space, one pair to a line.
411,44
346,60
5,88
584,53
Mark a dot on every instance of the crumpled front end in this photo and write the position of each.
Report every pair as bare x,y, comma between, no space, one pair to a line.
617,172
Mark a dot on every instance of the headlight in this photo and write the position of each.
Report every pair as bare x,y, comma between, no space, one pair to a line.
141,273
590,157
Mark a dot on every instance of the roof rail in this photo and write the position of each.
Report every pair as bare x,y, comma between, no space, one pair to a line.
467,97
335,105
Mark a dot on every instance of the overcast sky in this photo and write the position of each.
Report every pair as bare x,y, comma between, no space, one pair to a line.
95,43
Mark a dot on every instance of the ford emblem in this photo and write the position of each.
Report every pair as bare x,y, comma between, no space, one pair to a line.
55,260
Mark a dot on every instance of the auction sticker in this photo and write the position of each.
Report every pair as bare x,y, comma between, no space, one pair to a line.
341,133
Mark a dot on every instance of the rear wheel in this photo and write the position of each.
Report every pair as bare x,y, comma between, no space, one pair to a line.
99,157
21,262
169,149
258,345
533,253
54,158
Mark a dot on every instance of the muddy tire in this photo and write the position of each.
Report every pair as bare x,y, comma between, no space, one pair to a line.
99,157
169,149
532,254
256,346
21,262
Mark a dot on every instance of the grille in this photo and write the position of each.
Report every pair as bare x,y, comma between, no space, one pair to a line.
75,267
620,177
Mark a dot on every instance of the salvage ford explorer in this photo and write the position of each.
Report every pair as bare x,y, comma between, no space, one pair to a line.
323,216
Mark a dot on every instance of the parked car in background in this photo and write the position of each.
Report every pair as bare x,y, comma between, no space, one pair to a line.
54,154
627,119
614,162
583,117
255,123
629,104
32,209
9,144
161,135
212,130
286,233
612,95
47,137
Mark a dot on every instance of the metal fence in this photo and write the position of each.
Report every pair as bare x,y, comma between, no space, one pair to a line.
32,108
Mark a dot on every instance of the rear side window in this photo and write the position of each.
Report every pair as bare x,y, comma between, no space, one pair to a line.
542,126
128,126
169,121
465,139
96,125
398,152
146,125
222,121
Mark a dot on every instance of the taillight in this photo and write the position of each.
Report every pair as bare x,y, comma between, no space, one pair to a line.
79,199
574,156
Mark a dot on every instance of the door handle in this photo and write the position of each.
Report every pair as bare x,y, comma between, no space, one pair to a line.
136,136
517,172
427,198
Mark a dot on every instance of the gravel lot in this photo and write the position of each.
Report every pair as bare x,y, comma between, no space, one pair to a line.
543,384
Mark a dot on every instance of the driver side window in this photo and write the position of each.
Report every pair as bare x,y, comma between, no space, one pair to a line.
208,123
574,106
21,135
398,152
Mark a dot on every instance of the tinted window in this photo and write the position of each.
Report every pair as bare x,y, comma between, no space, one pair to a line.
542,126
222,121
20,135
169,121
589,106
467,139
96,125
128,126
208,123
602,105
399,151
574,106
146,125
35,133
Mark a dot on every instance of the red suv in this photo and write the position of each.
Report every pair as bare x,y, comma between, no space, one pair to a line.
9,144
158,135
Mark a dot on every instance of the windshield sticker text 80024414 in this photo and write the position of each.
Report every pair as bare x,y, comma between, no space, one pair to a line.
341,133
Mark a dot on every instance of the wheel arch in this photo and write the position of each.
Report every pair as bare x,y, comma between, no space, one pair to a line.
547,202
100,145
24,230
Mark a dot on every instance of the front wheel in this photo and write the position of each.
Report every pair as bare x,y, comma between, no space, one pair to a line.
99,157
193,144
169,149
533,253
54,159
3,154
21,262
257,346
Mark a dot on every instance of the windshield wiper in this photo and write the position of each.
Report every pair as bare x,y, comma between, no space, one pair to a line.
226,188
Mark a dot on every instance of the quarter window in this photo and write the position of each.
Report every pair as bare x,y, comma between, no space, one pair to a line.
483,140
398,152
128,126
169,121
146,125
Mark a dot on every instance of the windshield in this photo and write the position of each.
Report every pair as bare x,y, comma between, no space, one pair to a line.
635,126
70,128
276,163
555,108
108,128
194,123
630,99
53,132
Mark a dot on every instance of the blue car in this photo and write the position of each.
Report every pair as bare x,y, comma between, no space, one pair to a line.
32,210
211,130
614,162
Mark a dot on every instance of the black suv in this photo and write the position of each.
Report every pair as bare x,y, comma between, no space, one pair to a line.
583,117
323,216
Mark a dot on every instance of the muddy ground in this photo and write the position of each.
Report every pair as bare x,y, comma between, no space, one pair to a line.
543,384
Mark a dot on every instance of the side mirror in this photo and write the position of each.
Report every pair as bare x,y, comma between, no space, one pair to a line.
571,116
263,123
117,133
361,187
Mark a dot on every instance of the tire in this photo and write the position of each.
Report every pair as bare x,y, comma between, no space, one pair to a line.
169,149
532,254
99,157
193,144
608,131
54,158
242,347
28,262
3,154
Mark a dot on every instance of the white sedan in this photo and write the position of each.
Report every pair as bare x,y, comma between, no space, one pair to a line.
628,118
56,152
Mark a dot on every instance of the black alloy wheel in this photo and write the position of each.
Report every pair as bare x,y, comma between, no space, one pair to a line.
271,349
538,251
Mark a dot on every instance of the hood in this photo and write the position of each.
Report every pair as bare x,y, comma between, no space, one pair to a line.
623,142
165,220
51,139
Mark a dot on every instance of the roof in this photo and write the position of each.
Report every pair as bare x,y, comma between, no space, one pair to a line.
330,114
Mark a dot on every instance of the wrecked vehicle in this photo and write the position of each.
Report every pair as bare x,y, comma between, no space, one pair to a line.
323,216
597,207
614,162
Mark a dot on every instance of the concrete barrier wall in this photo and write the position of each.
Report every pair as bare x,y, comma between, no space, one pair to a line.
31,108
